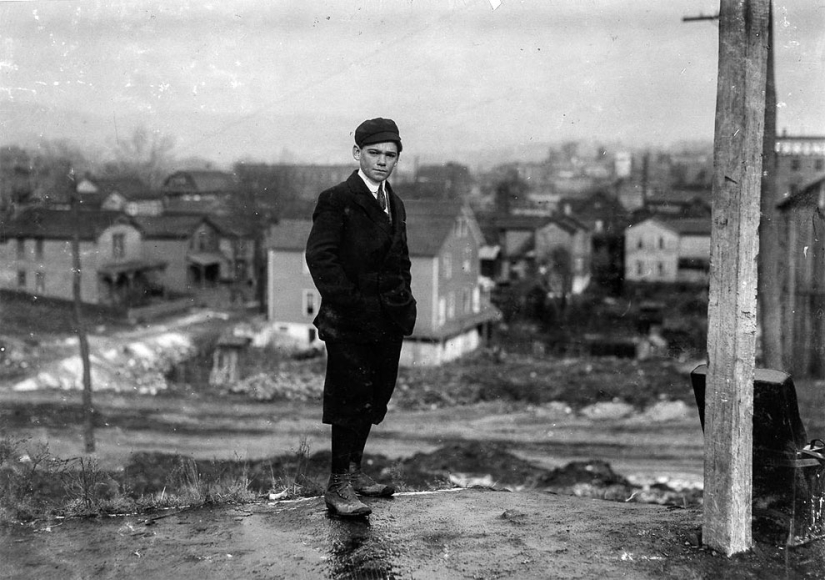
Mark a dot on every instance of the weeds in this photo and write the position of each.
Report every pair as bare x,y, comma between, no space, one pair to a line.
210,484
296,483
29,477
35,484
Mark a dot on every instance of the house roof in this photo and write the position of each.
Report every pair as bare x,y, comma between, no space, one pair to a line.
804,195
126,186
201,181
237,225
55,224
568,223
691,226
682,226
289,234
171,227
429,223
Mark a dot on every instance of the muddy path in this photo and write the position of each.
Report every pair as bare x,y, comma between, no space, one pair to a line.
664,442
463,534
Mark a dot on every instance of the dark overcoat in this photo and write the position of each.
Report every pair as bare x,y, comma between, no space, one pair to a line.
360,264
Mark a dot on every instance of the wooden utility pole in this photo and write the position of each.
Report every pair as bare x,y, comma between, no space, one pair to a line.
80,328
737,173
771,246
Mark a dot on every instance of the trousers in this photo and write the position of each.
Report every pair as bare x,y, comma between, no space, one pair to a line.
360,380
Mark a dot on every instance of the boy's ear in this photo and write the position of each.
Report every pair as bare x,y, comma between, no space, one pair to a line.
356,152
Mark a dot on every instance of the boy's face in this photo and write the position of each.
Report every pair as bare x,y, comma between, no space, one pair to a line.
377,160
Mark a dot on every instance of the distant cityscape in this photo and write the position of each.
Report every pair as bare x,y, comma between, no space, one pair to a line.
155,235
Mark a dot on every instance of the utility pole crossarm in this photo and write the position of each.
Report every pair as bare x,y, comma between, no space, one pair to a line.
700,17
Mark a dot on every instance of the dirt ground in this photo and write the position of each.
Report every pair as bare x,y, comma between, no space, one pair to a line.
468,532
464,533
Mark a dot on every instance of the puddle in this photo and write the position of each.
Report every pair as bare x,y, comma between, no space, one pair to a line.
362,548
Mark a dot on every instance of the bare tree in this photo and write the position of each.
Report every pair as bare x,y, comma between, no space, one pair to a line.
147,155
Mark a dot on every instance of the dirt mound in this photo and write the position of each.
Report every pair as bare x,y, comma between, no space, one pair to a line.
457,464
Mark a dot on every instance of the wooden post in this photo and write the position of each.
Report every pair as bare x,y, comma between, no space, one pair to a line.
80,328
737,156
771,249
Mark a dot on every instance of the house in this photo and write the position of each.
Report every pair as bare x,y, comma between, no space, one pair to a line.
124,194
37,256
678,203
799,160
204,191
563,248
803,299
125,259
292,300
659,250
603,213
209,258
454,312
514,236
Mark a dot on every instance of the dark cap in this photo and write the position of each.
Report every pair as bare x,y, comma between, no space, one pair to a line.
377,131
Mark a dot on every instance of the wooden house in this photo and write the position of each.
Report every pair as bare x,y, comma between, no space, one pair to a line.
658,250
454,312
125,194
37,258
803,269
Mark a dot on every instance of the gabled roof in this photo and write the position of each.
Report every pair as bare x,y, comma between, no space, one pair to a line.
126,186
692,226
680,196
169,227
55,224
681,226
518,222
200,181
429,223
807,194
235,225
568,223
289,234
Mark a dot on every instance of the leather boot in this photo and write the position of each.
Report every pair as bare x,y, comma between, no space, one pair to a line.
341,499
364,485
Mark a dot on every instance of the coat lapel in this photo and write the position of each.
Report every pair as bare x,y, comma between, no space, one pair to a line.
364,198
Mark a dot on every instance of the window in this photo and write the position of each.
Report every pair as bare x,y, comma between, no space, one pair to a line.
476,299
448,266
661,243
660,268
39,282
467,259
640,268
21,248
442,310
451,305
640,243
38,249
118,246
466,303
204,241
311,302
21,278
819,164
795,164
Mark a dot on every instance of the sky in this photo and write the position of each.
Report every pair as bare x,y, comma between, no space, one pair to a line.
290,80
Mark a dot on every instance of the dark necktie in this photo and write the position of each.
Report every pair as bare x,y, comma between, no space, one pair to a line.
382,201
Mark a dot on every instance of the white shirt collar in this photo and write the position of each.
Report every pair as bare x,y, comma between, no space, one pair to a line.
371,185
